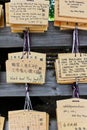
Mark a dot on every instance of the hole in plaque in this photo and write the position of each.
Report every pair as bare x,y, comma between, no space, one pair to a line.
35,57
41,59
41,119
19,57
80,54
15,57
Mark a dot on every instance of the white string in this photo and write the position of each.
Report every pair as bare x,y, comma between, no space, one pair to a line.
75,46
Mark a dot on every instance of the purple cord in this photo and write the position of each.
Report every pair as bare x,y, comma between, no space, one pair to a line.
75,90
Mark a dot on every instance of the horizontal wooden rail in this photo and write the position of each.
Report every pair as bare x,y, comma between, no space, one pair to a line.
52,38
50,88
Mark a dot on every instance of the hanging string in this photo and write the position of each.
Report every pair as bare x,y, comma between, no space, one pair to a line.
75,49
28,104
75,46
75,89
26,49
26,45
77,40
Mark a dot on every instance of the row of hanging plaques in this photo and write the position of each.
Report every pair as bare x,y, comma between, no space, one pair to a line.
71,115
26,120
68,68
34,15
30,67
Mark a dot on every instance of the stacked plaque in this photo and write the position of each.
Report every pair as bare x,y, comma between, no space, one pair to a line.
27,68
2,119
1,16
72,114
29,14
28,120
69,14
71,67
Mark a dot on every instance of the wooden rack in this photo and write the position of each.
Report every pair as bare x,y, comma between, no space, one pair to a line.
51,42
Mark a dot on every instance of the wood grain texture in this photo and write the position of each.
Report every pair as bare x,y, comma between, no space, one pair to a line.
50,88
52,38
52,126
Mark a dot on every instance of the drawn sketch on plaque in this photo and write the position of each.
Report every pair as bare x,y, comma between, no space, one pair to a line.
72,114
69,18
28,120
32,55
2,119
29,12
25,71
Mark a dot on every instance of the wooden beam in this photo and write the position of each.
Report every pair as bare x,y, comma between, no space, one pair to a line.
50,88
52,38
